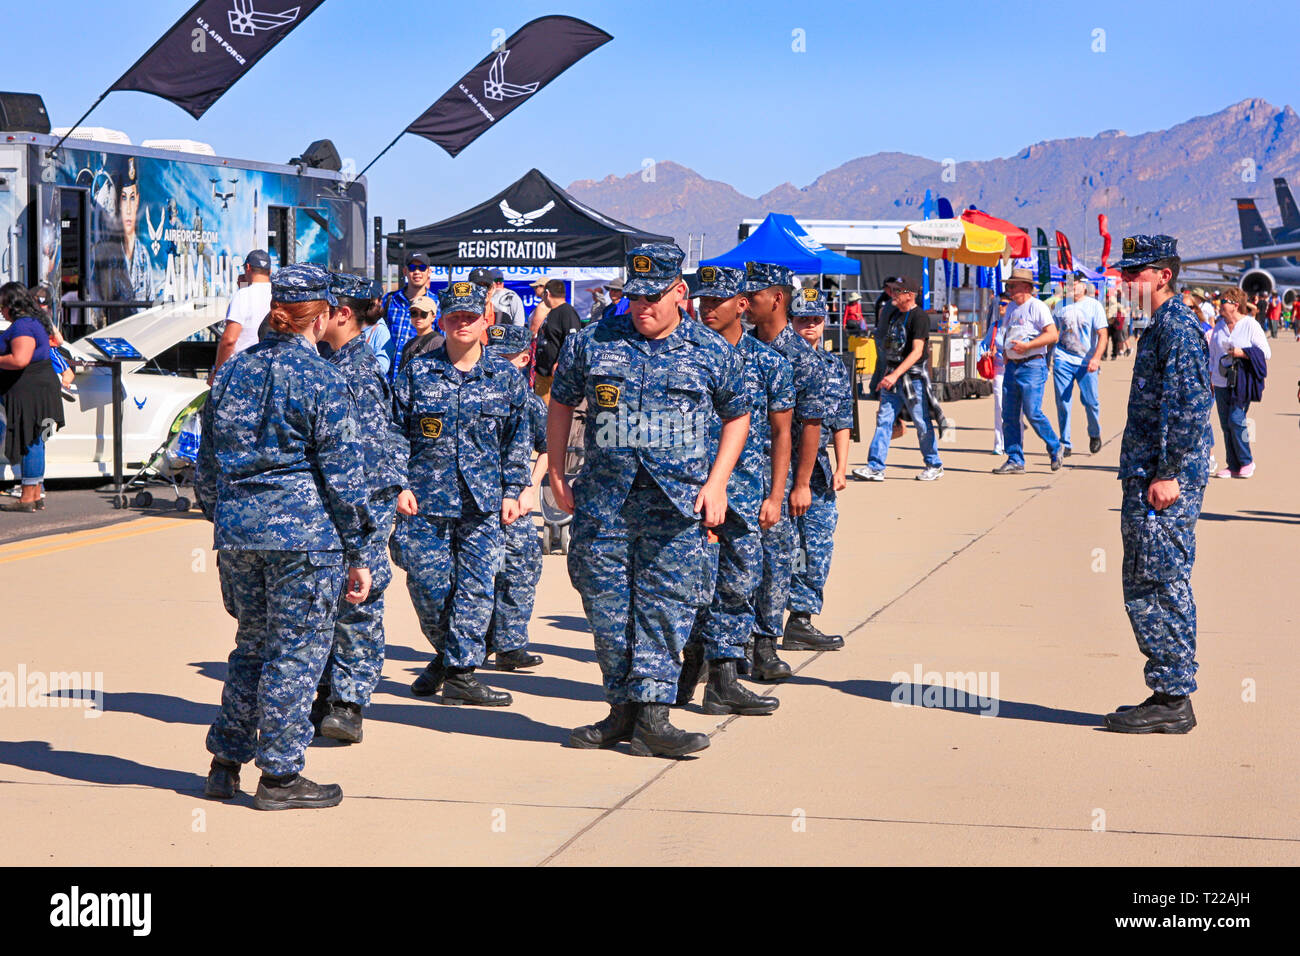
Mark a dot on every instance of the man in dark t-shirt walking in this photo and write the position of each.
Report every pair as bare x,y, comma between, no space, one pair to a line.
902,341
560,321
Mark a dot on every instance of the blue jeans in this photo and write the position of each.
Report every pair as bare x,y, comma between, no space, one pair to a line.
1232,419
34,463
909,391
1066,370
1022,389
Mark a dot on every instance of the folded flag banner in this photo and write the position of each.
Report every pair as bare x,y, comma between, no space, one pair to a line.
1103,227
505,79
209,48
1064,258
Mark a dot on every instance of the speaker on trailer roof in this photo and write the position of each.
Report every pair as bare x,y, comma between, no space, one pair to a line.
23,112
319,155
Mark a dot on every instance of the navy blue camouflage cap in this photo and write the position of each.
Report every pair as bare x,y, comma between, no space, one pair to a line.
652,268
1143,250
509,339
764,275
347,284
302,283
718,282
462,297
807,303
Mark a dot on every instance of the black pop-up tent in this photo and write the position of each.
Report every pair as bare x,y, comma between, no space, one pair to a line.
533,223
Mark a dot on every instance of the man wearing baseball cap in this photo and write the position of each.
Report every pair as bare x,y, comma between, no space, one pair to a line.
397,304
647,493
1164,467
902,343
770,288
248,307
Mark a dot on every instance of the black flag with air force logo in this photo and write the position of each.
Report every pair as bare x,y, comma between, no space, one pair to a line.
211,47
536,54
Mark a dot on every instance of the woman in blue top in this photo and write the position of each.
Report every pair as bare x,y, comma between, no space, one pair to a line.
30,392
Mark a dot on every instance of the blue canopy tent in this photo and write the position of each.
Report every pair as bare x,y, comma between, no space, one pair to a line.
780,239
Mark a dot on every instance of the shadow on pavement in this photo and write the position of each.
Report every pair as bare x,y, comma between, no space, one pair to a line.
567,622
1277,517
1014,710
97,768
572,653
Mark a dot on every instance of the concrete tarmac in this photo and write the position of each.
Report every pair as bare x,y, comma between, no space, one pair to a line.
1009,583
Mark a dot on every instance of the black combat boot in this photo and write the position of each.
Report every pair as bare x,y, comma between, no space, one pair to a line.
605,733
746,663
654,736
223,780
343,722
294,792
320,706
768,668
1158,714
724,695
516,660
694,670
802,635
429,682
462,687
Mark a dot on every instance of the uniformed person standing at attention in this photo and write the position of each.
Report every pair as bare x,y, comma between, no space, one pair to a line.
464,412
755,495
815,528
646,492
280,474
357,656
770,288
516,587
1164,465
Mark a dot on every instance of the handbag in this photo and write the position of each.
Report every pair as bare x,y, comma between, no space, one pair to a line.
985,366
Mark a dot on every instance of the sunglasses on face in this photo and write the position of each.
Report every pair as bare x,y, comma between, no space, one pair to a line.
420,313
416,267
1134,273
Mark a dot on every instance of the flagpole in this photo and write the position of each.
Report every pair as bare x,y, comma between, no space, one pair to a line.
53,149
381,153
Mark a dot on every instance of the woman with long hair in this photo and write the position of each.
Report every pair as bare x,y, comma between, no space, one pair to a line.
29,390
282,477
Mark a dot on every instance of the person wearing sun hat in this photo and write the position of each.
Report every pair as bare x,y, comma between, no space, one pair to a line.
1027,331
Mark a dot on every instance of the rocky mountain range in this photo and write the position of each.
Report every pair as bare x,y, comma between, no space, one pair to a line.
1179,181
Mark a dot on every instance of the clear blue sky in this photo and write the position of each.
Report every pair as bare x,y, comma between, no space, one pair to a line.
712,85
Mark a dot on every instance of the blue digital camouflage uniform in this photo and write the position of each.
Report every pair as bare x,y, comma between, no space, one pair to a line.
638,554
1167,436
810,406
815,528
357,656
724,625
280,474
470,448
516,585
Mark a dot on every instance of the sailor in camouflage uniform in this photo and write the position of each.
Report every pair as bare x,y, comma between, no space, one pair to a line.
646,492
465,414
815,529
516,586
1164,465
280,474
770,288
357,656
723,627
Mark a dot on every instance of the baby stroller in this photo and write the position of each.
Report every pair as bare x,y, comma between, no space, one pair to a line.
555,521
173,461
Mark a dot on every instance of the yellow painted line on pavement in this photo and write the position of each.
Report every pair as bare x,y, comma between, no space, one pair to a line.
53,544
